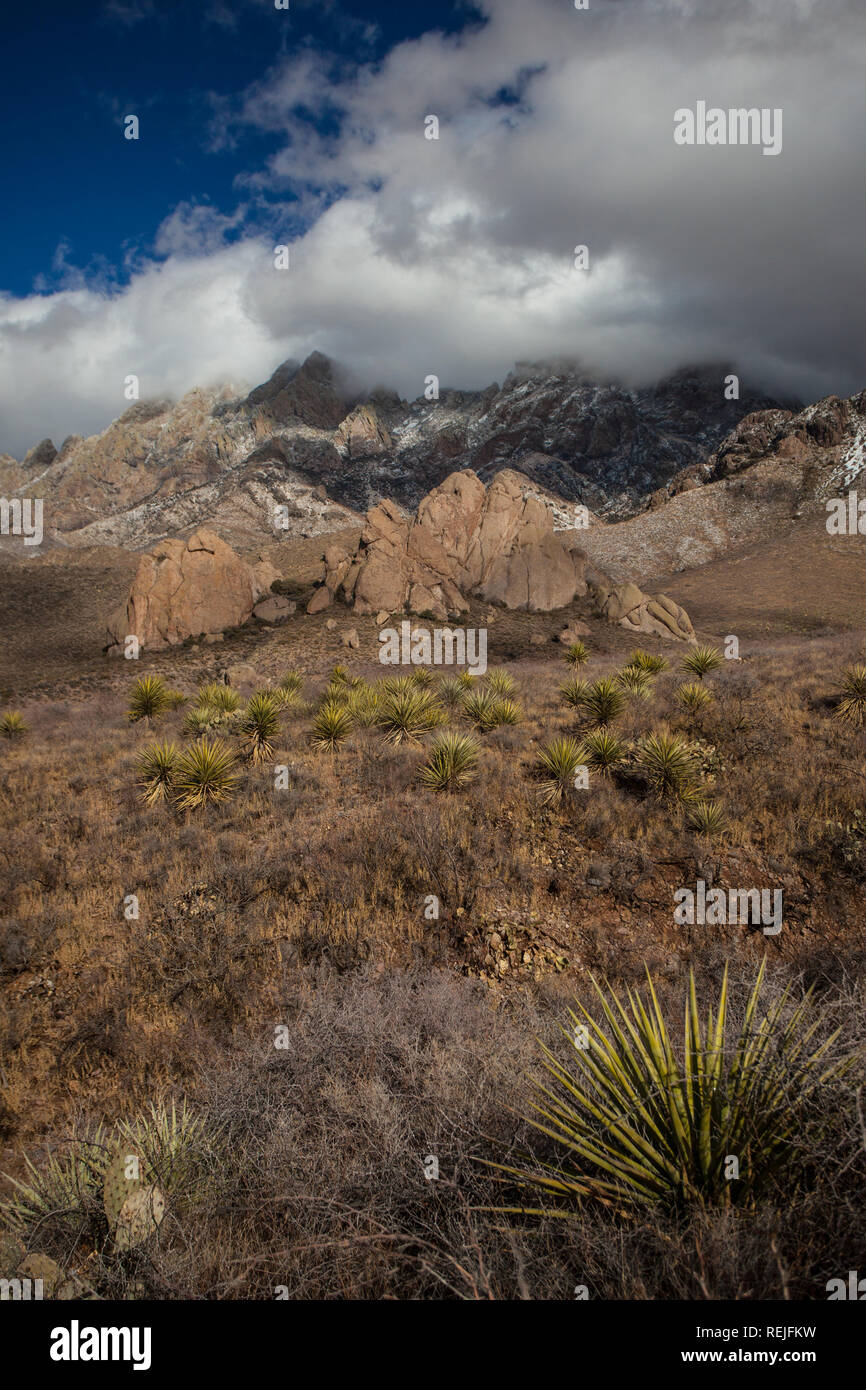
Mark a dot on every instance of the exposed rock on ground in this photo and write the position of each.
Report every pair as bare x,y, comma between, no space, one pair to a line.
188,588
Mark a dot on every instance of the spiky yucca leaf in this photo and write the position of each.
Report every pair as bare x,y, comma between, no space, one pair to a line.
604,701
398,685
573,692
450,692
669,764
634,681
12,725
706,818
640,1123
291,683
477,705
422,677
149,699
451,763
852,700
156,770
201,720
467,680
701,660
260,726
576,654
556,766
501,684
694,696
647,661
204,775
405,715
177,699
331,725
603,750
363,705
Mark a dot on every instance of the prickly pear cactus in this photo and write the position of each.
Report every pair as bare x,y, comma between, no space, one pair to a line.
124,1176
139,1216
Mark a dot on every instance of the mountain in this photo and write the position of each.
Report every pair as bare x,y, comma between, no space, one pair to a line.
305,441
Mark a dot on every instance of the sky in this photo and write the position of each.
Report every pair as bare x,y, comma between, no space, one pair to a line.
307,128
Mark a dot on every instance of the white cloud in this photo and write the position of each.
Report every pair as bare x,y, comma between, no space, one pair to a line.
455,256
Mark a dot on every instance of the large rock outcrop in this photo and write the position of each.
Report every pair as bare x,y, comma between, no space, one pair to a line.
497,543
187,588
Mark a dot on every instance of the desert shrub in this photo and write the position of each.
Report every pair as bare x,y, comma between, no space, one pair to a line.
668,764
467,680
12,725
156,769
149,699
488,711
576,654
603,702
204,775
852,700
422,677
574,692
556,767
407,714
220,697
634,682
647,661
706,818
201,720
701,660
637,1123
501,684
451,763
450,692
363,704
177,699
603,751
694,696
332,724
260,726
291,684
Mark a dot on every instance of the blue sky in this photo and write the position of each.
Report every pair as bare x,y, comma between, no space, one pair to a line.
75,192
411,256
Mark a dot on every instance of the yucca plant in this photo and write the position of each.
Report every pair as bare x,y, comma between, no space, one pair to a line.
149,699
467,680
407,714
576,654
706,818
603,751
701,660
556,766
451,763
204,775
450,692
332,724
398,685
852,700
604,701
641,1123
694,696
260,726
12,725
668,764
646,661
156,770
177,699
477,705
501,684
502,712
339,676
363,704
422,677
634,681
201,719
573,692
291,683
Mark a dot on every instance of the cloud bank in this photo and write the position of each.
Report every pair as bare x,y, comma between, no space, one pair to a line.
455,256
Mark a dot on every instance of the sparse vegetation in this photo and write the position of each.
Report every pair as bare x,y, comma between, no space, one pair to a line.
150,698
852,701
260,726
332,725
451,762
668,764
576,654
694,696
12,725
156,771
603,702
204,775
557,766
701,660
604,751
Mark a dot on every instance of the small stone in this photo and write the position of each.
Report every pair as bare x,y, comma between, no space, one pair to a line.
382,617
331,624
351,638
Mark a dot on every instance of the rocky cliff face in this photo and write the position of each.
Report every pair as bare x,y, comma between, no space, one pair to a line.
303,442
